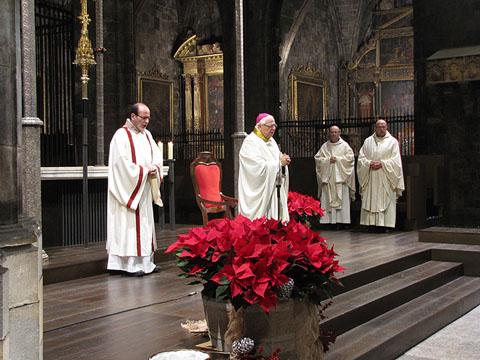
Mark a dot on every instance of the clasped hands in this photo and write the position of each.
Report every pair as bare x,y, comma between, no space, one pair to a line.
285,159
375,165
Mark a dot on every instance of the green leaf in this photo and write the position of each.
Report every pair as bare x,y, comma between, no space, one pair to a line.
222,292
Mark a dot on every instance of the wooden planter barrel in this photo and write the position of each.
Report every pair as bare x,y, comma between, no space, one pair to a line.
291,327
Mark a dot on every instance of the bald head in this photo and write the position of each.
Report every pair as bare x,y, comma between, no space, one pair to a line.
334,133
381,128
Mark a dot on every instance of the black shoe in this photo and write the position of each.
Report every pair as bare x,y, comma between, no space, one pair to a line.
136,273
115,272
157,269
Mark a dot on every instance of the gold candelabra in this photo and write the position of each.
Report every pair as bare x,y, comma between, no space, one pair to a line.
84,54
84,58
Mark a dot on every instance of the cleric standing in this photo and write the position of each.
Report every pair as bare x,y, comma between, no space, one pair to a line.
134,176
261,168
380,177
335,168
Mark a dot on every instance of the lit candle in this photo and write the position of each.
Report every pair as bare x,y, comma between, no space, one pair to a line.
170,150
160,147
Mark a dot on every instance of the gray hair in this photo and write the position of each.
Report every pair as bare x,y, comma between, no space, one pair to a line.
263,121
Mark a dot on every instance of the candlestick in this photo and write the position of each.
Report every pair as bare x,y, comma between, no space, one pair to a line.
170,150
160,147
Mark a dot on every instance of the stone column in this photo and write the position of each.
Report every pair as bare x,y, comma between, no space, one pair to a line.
19,263
239,133
8,140
31,124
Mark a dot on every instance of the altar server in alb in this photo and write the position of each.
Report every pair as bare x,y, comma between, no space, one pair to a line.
335,167
262,167
134,177
380,177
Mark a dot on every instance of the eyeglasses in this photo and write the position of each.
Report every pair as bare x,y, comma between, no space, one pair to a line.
271,126
144,117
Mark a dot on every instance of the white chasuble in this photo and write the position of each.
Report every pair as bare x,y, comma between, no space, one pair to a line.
259,172
336,181
130,222
380,188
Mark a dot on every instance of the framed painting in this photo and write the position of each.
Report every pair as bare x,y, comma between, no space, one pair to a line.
156,92
396,97
214,101
308,94
396,51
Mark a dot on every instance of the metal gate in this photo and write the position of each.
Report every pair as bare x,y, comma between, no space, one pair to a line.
55,85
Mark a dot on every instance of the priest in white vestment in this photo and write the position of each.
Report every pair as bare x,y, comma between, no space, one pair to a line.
380,177
262,167
335,163
134,177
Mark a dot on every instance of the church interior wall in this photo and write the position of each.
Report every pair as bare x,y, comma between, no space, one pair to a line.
155,32
316,43
158,26
119,69
448,114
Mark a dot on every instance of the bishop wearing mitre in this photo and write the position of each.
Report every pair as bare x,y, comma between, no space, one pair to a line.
263,173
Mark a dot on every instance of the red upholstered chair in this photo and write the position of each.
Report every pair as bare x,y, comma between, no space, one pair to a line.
206,173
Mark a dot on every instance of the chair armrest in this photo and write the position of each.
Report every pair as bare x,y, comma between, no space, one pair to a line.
212,202
228,198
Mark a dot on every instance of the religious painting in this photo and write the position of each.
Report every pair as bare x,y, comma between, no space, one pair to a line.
396,97
365,95
157,93
308,94
396,51
214,101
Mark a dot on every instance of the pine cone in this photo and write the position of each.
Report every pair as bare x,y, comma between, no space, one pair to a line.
243,346
285,290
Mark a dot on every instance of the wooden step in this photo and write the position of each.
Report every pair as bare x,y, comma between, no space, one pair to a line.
450,235
381,268
70,263
362,304
394,332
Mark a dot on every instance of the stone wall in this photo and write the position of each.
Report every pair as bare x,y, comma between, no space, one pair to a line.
453,122
447,115
120,85
315,42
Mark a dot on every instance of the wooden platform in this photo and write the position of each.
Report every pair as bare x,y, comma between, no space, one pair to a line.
69,263
397,292
450,235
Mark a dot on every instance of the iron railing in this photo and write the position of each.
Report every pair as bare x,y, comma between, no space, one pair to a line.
55,83
189,144
303,138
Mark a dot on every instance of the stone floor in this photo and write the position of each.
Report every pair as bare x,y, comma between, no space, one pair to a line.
459,340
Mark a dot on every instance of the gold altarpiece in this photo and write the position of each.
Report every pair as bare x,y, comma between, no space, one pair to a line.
380,77
203,83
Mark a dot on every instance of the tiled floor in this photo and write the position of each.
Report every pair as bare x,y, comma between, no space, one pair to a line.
459,340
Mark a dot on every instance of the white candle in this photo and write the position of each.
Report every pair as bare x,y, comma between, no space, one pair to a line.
160,147
170,150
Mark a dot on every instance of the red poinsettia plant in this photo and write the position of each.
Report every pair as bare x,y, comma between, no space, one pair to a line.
303,208
248,261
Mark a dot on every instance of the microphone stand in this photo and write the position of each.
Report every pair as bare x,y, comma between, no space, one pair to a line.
279,185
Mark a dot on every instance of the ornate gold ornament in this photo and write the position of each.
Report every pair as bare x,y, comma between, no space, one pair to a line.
453,69
84,54
305,81
202,67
